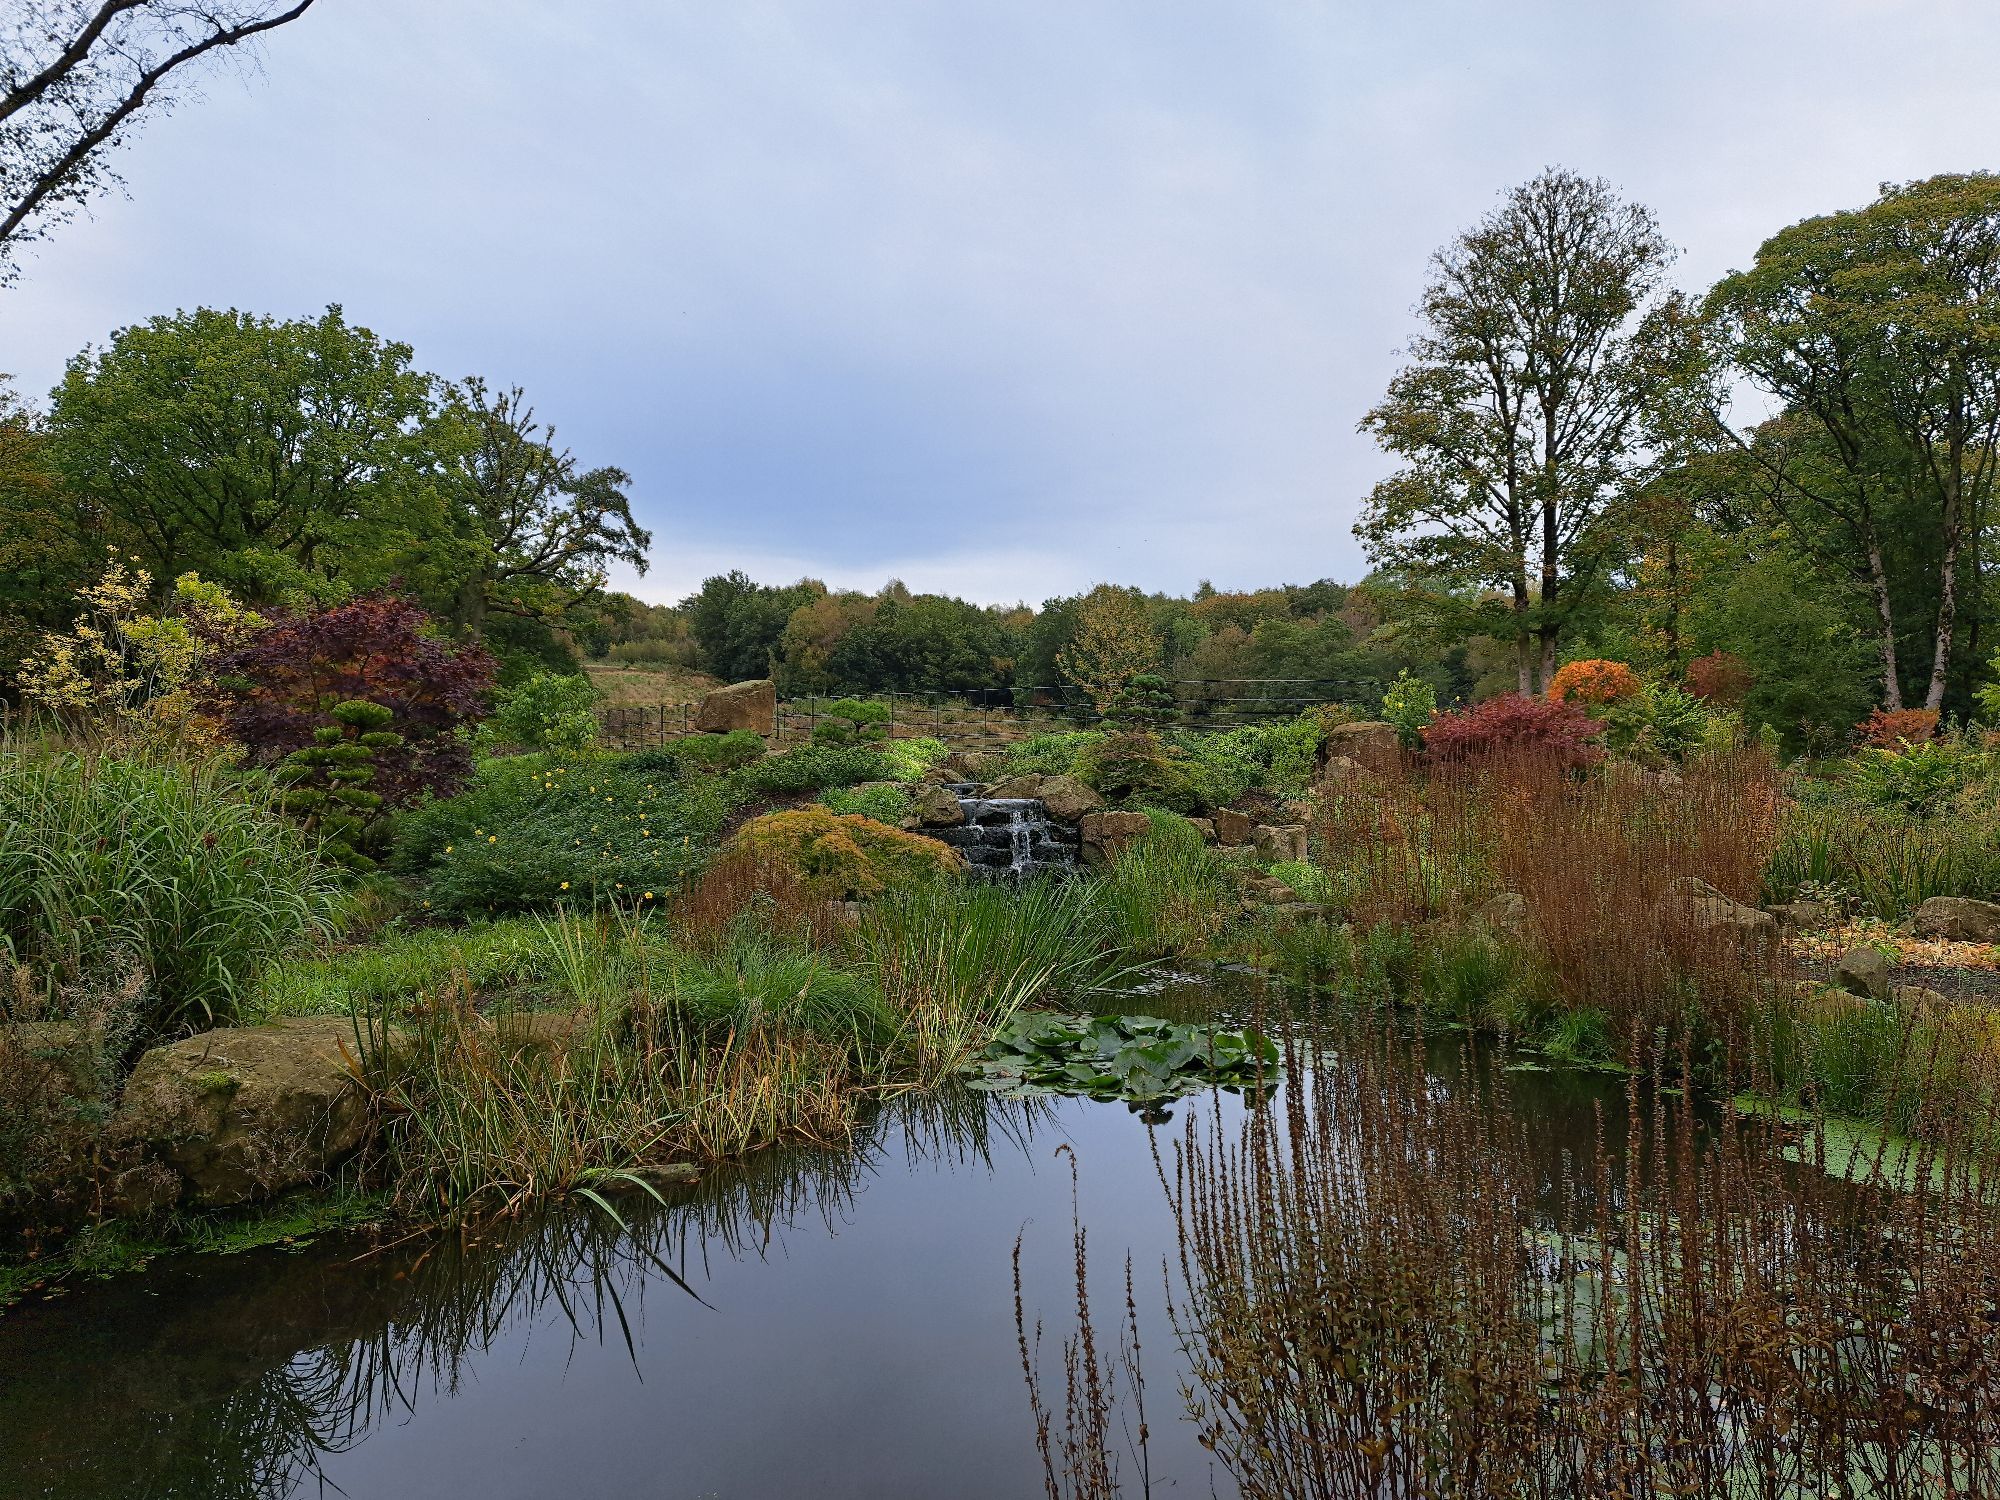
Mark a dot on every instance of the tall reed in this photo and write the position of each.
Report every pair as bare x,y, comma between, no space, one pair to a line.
1599,865
956,961
1169,892
1382,1289
183,867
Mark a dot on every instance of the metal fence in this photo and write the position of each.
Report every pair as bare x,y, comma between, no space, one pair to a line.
998,716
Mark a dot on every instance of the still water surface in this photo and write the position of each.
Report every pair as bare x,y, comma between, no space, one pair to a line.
825,1324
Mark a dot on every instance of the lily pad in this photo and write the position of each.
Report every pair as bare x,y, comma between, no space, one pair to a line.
1135,1058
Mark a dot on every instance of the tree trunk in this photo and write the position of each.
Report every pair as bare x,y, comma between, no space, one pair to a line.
1954,536
1523,638
1878,583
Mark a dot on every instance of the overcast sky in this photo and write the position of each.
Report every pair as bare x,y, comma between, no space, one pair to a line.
1000,297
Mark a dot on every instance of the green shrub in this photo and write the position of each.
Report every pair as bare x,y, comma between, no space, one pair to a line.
909,759
851,721
328,782
550,711
530,834
1049,754
1920,779
186,870
1679,724
1410,703
845,856
719,752
1146,700
812,768
1136,770
1308,881
1279,757
884,801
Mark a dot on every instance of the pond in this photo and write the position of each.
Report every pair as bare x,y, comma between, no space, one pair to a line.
832,1324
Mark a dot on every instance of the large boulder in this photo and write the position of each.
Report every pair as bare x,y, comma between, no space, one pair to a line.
1959,919
1503,915
1806,915
1106,835
1865,971
971,765
1067,799
1027,785
247,1112
936,807
1369,742
1284,842
1265,890
1232,827
741,705
1713,913
1343,770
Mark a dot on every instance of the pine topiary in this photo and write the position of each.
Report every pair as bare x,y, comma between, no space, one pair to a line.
328,783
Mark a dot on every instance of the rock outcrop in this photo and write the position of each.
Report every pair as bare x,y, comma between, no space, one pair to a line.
1807,915
1282,843
937,806
1369,742
1027,785
247,1112
1106,835
1865,972
1504,914
1067,799
1959,919
741,705
1232,827
1713,913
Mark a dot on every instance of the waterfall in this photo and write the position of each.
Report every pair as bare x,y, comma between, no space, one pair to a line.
1008,836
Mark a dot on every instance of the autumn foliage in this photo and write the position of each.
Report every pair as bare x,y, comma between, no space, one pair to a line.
1515,724
281,687
1898,728
1594,682
1721,678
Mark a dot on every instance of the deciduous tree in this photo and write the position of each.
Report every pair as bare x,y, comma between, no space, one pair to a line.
1879,332
1516,418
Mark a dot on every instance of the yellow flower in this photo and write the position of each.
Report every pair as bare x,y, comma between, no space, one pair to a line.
649,895
565,886
447,848
492,838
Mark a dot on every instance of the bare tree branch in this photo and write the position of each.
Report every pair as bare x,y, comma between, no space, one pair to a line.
75,78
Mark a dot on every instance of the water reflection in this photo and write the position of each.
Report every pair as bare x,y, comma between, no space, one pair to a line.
249,1376
854,1334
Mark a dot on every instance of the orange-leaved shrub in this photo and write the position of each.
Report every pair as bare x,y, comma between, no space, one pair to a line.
1594,682
844,854
1898,728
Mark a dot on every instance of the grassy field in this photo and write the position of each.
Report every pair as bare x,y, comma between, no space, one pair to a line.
636,686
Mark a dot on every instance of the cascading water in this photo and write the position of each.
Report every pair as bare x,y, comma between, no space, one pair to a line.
1008,836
